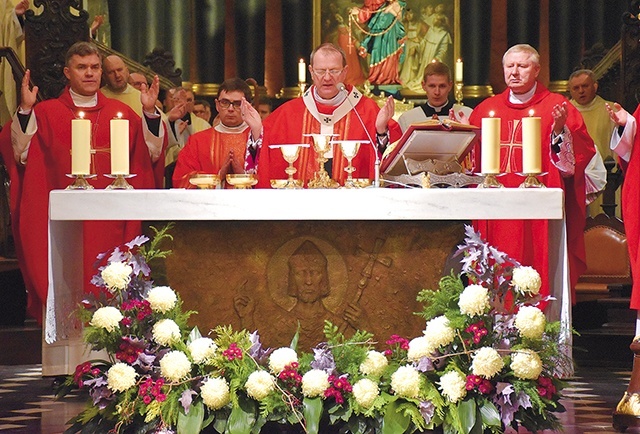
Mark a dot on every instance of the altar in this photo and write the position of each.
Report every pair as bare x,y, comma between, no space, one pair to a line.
297,214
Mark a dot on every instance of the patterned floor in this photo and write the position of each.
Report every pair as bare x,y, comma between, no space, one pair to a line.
27,404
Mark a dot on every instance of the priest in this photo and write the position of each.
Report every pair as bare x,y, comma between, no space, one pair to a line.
566,149
327,107
231,145
41,141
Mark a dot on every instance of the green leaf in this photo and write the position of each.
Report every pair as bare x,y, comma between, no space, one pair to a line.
490,415
467,415
243,416
191,422
394,422
312,412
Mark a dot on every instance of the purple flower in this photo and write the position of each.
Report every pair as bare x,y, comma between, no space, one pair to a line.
323,358
256,351
186,398
427,409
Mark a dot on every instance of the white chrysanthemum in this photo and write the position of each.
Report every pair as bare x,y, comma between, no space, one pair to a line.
438,332
166,332
117,275
215,393
419,347
530,322
406,382
487,362
526,279
314,383
453,386
175,366
107,317
374,364
202,350
260,384
365,391
526,364
121,377
474,300
281,358
162,299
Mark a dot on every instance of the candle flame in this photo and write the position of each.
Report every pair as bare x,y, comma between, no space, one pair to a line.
492,113
119,115
459,60
302,61
81,115
531,112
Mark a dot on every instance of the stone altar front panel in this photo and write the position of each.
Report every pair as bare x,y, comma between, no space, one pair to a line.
242,274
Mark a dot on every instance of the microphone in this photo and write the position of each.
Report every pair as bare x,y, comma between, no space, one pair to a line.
376,167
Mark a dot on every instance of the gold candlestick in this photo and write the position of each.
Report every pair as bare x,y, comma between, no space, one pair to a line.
457,93
531,181
119,182
80,182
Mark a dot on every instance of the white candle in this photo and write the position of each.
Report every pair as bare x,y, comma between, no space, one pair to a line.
302,71
531,138
119,146
458,71
490,144
80,145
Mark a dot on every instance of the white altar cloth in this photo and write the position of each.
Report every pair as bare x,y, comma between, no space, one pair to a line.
63,348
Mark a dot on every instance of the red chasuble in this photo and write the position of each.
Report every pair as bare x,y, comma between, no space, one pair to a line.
527,240
49,161
205,152
631,212
290,122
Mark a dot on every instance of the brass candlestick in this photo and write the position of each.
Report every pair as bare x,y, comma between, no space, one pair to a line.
531,181
490,181
119,182
80,182
458,92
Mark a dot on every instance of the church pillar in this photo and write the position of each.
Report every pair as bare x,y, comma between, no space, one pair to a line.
565,47
273,56
474,16
523,22
210,34
249,16
297,35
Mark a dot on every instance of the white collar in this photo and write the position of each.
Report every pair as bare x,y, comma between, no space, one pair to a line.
222,128
522,98
336,100
438,108
82,100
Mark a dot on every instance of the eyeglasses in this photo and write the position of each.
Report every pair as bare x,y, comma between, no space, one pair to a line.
323,72
225,103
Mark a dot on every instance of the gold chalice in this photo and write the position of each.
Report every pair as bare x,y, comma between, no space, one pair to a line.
290,154
242,181
205,181
349,150
322,145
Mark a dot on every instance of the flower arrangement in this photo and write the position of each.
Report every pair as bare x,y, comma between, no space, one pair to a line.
487,360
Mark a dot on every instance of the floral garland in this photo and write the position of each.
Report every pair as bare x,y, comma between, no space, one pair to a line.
487,360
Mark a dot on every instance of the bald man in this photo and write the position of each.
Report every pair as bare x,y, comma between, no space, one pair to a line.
116,77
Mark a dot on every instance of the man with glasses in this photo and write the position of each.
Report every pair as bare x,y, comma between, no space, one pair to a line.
327,107
231,145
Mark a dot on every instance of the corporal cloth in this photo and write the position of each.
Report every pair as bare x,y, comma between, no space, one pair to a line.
290,122
49,161
527,240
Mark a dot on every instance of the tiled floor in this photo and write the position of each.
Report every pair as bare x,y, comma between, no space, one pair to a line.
27,405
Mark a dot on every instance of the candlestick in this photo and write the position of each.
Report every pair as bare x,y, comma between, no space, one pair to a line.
80,145
119,146
531,137
458,71
490,145
302,71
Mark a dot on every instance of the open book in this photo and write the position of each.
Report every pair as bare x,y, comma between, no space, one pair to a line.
430,141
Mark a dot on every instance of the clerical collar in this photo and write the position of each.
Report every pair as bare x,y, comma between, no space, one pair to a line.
336,100
222,128
83,101
522,98
438,109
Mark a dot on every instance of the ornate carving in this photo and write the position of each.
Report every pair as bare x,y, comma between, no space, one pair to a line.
162,62
631,55
48,36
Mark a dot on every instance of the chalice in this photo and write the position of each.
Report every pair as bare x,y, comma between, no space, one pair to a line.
349,150
290,154
321,145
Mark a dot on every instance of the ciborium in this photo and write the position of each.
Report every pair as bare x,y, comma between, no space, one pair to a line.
290,153
205,181
322,145
242,181
349,150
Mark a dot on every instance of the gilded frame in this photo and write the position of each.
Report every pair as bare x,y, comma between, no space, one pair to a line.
323,30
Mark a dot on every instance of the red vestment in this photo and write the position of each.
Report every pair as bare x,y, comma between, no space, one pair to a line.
205,152
290,122
630,211
49,161
527,240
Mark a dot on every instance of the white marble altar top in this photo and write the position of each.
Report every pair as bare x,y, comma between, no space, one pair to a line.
342,204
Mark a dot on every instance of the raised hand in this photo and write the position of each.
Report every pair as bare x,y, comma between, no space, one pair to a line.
559,113
251,116
28,96
618,114
21,7
149,95
385,114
